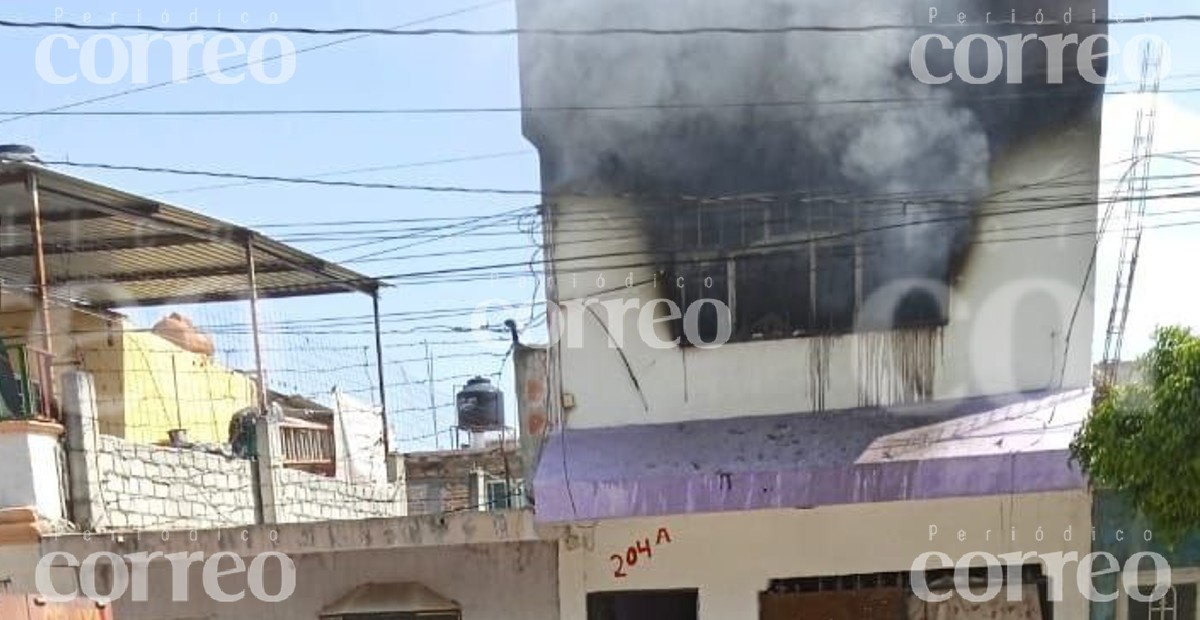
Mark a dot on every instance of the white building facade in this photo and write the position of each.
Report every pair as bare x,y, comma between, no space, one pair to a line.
795,354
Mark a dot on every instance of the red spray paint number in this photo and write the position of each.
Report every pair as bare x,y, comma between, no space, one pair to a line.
636,551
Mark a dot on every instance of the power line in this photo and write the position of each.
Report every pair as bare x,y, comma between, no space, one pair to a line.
491,271
621,226
449,230
780,244
402,233
610,238
299,180
231,328
332,173
413,276
463,311
360,184
581,32
371,185
632,107
327,44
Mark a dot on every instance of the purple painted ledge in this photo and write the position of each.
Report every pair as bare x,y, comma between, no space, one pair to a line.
978,447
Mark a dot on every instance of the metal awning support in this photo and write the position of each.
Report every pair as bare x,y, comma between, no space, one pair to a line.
114,249
383,412
92,245
263,403
42,287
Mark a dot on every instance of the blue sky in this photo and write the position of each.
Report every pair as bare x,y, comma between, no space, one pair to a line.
420,72
372,72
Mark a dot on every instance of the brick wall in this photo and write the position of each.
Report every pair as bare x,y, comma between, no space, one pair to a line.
441,481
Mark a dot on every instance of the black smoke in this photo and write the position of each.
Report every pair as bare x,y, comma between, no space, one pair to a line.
717,115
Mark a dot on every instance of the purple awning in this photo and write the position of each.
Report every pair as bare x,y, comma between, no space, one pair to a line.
977,447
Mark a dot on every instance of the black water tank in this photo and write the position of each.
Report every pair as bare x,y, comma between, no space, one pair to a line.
480,406
17,152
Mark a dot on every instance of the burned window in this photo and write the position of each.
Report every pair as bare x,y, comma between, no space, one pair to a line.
801,269
781,303
699,282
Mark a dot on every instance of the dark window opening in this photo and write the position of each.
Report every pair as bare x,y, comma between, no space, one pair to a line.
835,283
783,308
1177,603
880,595
644,605
696,284
920,308
787,271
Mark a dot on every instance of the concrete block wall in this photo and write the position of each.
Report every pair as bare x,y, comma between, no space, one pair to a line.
117,484
301,497
297,496
143,486
153,487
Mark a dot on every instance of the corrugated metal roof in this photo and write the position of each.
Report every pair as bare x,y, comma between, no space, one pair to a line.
110,248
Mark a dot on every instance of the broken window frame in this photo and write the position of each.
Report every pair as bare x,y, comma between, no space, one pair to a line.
781,233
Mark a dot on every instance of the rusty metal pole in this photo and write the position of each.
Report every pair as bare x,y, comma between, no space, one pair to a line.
383,412
43,294
263,403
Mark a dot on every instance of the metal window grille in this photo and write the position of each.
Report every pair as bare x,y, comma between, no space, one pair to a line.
786,271
1177,603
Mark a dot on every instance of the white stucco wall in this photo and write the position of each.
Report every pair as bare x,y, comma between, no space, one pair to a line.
1009,312
490,582
731,557
33,461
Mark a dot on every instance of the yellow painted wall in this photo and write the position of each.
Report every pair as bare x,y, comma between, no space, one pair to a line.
87,338
166,387
139,395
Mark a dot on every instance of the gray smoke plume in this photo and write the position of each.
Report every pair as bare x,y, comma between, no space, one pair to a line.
922,155
890,147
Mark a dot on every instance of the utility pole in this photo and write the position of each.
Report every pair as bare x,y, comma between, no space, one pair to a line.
437,440
1135,211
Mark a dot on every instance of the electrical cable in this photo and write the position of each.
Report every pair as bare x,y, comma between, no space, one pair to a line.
578,32
331,173
390,186
201,74
583,108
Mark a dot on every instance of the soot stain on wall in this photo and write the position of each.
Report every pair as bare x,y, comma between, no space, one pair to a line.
739,150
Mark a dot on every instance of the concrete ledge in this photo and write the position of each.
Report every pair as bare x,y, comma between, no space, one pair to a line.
19,534
19,526
18,515
465,528
31,427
